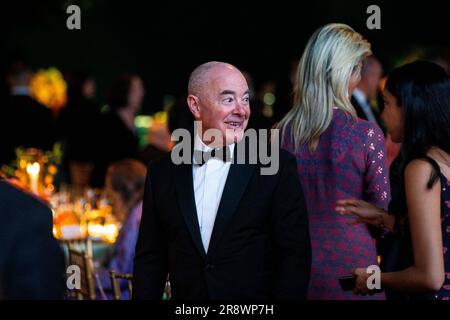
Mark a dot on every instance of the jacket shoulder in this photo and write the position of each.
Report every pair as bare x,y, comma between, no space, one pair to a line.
20,203
161,163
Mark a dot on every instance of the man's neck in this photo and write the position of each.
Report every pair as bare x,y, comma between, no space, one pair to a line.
200,144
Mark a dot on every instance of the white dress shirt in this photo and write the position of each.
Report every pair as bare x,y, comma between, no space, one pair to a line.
209,181
362,100
20,91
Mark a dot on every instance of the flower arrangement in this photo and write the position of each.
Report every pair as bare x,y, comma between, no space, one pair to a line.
49,88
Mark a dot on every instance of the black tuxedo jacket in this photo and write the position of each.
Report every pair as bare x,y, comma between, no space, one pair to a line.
259,248
31,261
360,112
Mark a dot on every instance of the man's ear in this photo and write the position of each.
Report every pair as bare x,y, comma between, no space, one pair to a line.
194,106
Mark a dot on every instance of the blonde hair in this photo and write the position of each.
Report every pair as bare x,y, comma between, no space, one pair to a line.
333,55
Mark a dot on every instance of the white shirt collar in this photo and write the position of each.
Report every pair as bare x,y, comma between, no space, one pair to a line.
20,91
200,145
360,96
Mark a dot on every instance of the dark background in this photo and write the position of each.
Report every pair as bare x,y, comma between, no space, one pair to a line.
165,41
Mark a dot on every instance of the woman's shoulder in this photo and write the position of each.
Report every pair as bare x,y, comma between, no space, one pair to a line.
420,164
343,120
368,128
368,133
419,170
350,127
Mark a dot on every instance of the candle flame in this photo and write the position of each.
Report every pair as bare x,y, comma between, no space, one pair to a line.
33,169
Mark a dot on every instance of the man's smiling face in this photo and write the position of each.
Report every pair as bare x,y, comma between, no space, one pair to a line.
223,103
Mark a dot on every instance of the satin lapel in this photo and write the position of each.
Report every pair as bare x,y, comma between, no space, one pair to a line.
186,200
237,181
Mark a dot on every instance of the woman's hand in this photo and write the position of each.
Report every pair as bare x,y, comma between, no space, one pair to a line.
361,276
361,286
364,211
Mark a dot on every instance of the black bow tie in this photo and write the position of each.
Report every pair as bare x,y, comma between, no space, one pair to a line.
224,154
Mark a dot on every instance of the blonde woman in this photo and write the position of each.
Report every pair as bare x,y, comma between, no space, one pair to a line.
338,156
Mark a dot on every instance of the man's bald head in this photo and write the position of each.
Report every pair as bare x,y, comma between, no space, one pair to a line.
219,98
370,64
199,77
371,73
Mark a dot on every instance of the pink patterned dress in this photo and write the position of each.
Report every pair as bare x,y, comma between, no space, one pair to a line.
349,162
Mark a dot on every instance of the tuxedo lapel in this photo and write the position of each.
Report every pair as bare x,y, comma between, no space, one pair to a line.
186,201
237,181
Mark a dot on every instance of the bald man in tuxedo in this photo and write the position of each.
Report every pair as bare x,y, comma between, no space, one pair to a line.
219,228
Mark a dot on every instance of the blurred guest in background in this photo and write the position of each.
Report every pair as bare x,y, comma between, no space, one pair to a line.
417,113
159,138
180,117
258,119
31,261
118,137
366,92
125,181
26,123
78,127
338,155
159,143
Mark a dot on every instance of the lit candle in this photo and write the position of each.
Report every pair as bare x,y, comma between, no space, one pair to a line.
33,171
110,232
95,230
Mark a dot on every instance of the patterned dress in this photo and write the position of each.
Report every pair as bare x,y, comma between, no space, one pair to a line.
349,162
444,293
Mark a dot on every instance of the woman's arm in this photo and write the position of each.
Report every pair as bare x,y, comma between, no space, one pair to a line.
424,212
366,213
377,189
377,192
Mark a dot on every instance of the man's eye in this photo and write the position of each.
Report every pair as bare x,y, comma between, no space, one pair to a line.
228,100
246,99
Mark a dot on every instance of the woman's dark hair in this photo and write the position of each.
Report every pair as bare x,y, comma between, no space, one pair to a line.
120,89
422,90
